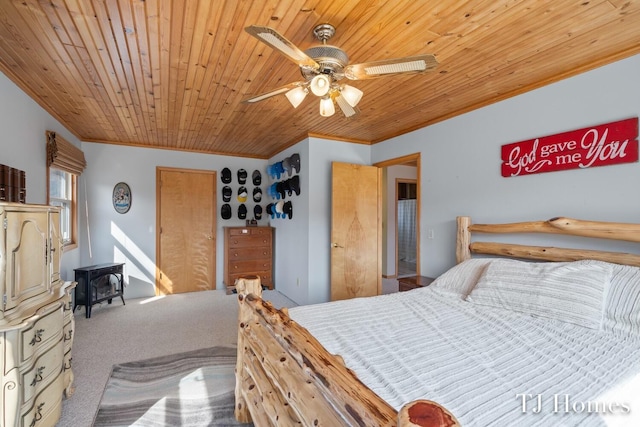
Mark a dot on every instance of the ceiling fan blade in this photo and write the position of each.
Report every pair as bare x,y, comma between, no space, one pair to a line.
278,91
277,41
347,109
388,67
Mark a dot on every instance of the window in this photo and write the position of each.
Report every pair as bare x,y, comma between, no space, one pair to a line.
65,162
63,193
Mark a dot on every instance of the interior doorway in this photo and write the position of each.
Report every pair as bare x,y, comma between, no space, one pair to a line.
394,171
406,223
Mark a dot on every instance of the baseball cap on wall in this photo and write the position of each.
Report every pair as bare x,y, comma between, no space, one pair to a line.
242,176
257,212
242,211
242,194
226,193
256,177
225,211
225,175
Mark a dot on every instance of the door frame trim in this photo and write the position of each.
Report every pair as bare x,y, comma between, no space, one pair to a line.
408,160
159,170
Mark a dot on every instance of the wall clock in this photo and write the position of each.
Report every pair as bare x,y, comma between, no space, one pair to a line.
121,198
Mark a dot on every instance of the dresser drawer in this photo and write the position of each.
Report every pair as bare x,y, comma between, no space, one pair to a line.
67,335
249,265
249,241
47,406
250,231
237,254
44,371
43,330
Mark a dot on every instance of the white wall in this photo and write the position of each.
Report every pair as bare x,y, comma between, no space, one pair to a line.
23,146
131,237
460,172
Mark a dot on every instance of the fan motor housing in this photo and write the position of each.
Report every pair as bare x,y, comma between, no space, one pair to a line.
331,59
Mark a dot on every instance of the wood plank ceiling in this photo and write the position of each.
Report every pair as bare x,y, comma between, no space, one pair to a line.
171,74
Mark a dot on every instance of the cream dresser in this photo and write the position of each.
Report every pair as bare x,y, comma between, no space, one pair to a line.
36,317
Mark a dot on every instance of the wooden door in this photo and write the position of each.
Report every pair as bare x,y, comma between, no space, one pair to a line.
355,231
186,230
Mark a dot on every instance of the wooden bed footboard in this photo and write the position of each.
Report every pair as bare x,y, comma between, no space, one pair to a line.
284,377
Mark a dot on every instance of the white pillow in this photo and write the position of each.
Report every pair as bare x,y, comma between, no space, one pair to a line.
622,302
572,292
461,278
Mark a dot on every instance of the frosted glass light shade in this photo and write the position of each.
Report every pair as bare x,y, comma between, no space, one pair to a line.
296,96
320,85
351,94
327,108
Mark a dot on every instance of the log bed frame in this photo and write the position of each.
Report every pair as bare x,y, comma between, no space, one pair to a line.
284,376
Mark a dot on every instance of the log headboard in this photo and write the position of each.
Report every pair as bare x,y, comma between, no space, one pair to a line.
560,225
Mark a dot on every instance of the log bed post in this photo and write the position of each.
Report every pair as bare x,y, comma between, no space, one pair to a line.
463,240
244,286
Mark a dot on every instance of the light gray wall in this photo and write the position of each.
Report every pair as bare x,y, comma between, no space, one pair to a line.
131,237
23,146
460,169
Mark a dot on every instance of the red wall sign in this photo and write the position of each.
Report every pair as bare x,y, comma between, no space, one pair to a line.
602,145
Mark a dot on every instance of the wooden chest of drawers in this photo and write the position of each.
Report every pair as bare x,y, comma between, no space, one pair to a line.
248,251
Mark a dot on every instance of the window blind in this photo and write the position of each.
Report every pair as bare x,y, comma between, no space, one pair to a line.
61,154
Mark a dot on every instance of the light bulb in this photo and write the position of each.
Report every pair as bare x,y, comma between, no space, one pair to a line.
296,95
351,94
320,85
327,108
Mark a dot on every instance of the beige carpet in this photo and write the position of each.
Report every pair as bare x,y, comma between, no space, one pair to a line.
142,329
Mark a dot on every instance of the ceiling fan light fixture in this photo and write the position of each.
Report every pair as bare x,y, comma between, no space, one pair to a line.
320,85
351,94
327,109
296,95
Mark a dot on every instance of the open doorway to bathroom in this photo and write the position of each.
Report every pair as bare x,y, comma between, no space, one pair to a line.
406,227
405,169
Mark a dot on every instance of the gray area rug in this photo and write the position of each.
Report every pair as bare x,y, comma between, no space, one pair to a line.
192,389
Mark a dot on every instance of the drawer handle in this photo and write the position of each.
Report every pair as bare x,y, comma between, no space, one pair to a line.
38,377
264,253
69,306
37,337
69,335
38,416
235,267
235,255
65,367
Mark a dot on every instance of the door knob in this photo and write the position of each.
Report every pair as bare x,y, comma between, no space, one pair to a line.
335,245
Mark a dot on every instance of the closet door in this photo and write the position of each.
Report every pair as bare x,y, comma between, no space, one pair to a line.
356,252
186,228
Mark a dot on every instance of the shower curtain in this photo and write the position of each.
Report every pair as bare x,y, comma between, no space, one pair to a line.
407,230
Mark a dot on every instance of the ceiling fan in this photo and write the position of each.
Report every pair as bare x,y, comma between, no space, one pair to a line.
323,67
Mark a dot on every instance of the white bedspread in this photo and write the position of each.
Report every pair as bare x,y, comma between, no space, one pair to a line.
479,362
